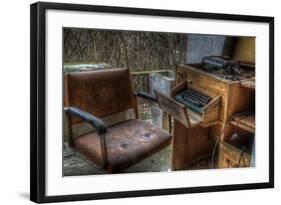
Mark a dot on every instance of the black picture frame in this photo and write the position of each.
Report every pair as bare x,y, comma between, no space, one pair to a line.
38,100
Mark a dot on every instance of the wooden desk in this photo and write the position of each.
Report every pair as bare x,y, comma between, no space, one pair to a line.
189,143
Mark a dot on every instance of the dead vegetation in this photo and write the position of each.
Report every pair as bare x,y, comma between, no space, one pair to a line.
139,51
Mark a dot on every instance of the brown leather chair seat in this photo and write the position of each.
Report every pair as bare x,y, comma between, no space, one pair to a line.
126,143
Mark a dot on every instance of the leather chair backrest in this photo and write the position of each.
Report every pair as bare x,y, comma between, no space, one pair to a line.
101,93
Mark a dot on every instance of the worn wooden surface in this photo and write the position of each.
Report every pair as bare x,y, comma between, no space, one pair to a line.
233,98
205,83
172,107
231,145
178,88
211,111
229,157
247,122
240,99
188,144
236,97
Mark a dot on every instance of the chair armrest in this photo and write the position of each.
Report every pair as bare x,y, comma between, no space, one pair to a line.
97,123
146,96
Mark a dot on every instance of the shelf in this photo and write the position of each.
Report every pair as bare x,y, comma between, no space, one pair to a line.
246,122
251,84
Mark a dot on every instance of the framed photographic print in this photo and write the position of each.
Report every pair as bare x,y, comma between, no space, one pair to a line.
129,102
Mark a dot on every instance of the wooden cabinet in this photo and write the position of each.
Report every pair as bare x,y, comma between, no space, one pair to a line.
191,142
231,157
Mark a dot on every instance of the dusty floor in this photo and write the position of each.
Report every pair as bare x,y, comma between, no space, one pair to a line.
161,161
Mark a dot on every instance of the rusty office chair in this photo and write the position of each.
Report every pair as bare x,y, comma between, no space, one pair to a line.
95,94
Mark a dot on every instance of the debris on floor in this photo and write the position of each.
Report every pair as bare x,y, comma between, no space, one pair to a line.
159,162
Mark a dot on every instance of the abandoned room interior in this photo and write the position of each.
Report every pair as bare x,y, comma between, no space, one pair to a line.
138,101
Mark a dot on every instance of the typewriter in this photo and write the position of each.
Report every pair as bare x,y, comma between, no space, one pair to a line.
193,99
